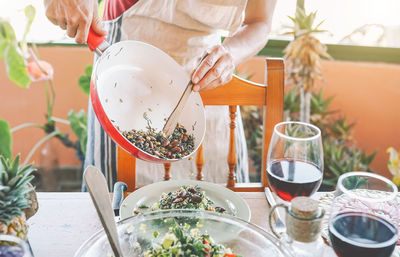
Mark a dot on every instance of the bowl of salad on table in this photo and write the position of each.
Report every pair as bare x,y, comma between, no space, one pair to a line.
185,194
159,233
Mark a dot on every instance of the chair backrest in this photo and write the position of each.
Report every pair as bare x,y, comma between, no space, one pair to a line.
238,92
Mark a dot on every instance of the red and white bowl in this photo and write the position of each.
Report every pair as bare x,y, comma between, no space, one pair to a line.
131,80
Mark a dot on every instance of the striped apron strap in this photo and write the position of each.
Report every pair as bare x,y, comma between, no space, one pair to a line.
100,149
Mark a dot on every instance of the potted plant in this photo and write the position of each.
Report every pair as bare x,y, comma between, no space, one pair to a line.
24,66
304,102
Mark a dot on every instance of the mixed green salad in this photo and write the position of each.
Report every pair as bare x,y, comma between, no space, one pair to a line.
181,241
186,197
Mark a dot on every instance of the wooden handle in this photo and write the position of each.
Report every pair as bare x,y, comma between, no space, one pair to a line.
170,125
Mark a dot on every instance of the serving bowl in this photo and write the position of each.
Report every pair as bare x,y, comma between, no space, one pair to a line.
223,197
136,233
135,85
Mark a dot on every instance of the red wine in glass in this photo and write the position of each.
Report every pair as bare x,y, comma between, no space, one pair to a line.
362,234
290,178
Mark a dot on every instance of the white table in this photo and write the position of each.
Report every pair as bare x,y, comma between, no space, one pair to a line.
65,220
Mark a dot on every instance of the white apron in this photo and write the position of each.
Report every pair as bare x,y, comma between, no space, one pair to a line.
183,29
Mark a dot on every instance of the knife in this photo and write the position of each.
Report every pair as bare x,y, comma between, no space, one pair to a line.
271,201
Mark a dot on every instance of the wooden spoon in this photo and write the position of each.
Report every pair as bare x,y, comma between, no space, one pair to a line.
173,118
97,187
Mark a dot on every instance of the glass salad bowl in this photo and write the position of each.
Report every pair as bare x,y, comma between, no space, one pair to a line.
202,231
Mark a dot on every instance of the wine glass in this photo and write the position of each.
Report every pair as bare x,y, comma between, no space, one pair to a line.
12,246
364,216
295,161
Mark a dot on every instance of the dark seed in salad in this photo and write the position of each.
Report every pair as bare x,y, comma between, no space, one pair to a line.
186,197
176,146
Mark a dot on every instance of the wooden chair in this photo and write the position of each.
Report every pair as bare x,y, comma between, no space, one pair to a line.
237,92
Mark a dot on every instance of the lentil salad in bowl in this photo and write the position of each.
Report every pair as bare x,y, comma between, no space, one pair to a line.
185,194
186,197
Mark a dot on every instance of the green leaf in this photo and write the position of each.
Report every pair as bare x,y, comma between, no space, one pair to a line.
5,139
292,19
4,188
329,182
7,36
319,24
88,70
30,15
23,170
84,84
335,171
83,141
6,31
3,44
14,165
84,80
13,181
178,233
78,123
24,181
155,234
15,67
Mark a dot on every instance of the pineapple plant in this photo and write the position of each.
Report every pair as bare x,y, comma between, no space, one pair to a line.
303,57
14,191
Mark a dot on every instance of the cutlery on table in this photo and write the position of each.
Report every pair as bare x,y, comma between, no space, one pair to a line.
97,187
280,227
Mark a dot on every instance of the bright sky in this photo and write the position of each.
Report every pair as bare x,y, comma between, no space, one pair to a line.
341,18
41,31
344,16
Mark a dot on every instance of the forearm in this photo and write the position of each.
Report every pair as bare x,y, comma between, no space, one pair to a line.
248,41
217,68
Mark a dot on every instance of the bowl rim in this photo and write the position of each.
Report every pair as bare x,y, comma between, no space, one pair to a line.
309,138
389,197
188,213
204,185
21,243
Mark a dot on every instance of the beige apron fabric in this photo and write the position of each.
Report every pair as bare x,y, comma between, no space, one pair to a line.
184,29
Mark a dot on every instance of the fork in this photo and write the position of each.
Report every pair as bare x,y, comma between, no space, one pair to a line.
280,227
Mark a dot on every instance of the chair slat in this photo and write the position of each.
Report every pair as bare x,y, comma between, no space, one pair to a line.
238,91
126,165
273,111
232,147
199,162
167,167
